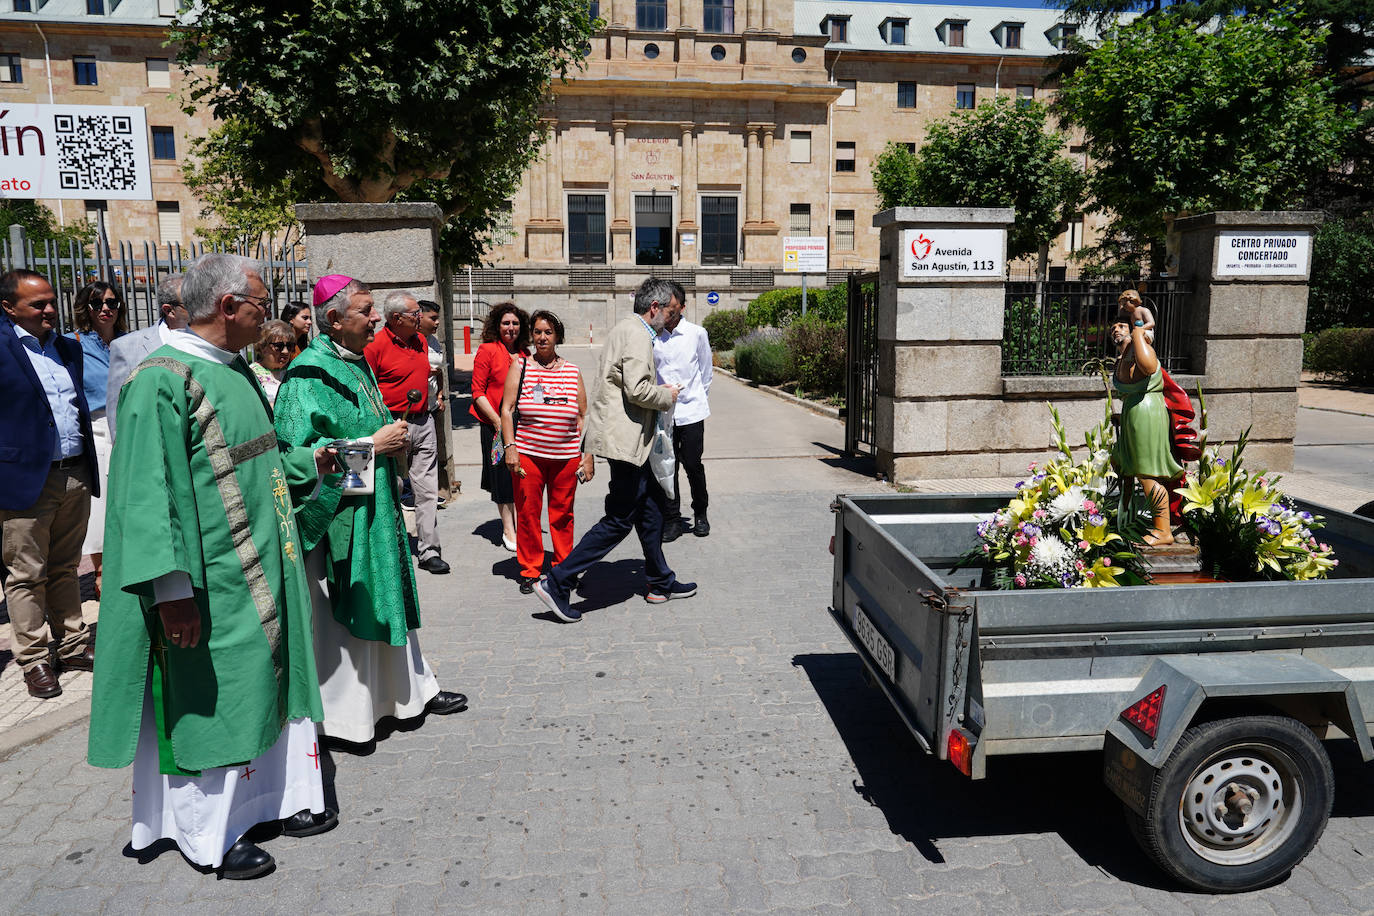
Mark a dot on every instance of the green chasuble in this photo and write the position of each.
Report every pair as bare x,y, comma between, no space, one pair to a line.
199,484
371,580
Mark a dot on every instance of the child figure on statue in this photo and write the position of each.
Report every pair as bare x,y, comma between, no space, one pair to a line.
1135,314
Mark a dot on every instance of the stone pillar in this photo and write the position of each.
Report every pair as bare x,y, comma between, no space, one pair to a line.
753,176
386,246
687,213
553,176
760,234
620,221
1244,329
754,11
940,412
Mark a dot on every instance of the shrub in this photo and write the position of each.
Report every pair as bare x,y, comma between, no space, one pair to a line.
724,327
775,308
762,356
1342,290
1344,354
817,349
1036,343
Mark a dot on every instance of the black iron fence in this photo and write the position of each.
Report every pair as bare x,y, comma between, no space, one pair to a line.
136,267
1062,328
861,366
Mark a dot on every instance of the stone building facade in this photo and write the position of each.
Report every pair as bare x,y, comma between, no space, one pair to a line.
75,52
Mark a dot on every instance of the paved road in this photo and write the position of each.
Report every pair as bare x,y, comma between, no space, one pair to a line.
719,754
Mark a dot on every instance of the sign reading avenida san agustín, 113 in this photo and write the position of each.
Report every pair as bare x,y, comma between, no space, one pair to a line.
953,253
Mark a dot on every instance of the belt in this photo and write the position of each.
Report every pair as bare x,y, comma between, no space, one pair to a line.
414,414
63,463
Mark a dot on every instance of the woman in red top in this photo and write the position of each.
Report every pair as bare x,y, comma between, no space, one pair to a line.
544,450
504,338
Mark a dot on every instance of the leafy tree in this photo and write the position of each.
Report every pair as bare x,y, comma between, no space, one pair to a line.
1184,119
244,200
1342,288
40,224
999,155
377,100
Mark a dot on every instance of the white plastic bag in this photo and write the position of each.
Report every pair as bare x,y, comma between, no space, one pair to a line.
662,461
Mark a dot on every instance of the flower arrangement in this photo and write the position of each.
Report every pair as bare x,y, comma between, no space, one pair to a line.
1064,529
1243,526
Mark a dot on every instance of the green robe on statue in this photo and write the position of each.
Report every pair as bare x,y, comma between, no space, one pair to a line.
371,580
199,485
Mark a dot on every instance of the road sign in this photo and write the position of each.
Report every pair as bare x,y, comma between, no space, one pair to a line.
713,297
804,254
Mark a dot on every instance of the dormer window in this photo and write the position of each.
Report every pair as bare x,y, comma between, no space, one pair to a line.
894,30
837,27
1009,34
951,32
1061,33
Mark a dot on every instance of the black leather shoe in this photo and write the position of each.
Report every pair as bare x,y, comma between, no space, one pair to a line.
434,565
244,861
673,530
702,528
527,584
42,681
446,702
85,661
307,823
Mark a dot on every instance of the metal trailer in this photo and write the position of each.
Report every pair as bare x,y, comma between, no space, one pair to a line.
1209,701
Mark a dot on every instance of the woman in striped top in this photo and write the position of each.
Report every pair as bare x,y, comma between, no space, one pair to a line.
544,448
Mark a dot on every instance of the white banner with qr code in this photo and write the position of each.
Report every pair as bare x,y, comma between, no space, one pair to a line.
74,152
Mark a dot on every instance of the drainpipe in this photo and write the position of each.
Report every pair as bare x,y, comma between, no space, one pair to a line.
997,79
47,63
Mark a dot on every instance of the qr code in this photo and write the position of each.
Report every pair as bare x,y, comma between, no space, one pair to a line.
95,152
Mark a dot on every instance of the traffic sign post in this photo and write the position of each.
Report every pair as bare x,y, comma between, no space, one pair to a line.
804,254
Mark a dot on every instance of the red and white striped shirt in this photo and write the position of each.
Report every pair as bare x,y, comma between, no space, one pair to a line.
548,411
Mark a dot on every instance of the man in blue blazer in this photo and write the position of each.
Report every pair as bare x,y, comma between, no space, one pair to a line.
47,461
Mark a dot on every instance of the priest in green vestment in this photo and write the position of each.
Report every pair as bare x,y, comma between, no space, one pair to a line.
205,679
358,558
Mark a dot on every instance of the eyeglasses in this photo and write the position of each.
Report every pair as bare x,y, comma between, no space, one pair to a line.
259,301
282,345
109,302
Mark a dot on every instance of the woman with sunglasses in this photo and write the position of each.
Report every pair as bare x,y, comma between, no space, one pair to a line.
271,354
543,450
98,313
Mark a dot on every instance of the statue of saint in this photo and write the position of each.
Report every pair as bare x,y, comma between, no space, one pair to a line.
1143,440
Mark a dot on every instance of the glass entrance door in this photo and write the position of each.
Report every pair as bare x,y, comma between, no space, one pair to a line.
653,229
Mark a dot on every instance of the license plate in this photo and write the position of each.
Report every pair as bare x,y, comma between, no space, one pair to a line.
877,646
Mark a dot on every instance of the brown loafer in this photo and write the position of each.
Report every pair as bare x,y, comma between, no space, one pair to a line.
83,662
42,681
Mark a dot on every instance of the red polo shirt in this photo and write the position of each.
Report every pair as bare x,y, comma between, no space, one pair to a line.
400,366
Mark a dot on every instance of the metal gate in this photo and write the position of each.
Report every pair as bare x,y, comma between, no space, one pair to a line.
861,365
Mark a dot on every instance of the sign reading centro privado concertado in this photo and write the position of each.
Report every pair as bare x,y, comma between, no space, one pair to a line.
953,253
74,152
1270,254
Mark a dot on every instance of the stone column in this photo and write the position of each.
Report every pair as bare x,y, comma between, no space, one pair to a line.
754,11
760,234
940,411
620,222
386,246
753,176
553,176
687,212
1244,328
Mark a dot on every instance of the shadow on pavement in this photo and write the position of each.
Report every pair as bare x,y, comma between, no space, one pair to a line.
927,800
864,465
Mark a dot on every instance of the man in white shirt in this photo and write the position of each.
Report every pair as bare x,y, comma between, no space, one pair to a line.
682,353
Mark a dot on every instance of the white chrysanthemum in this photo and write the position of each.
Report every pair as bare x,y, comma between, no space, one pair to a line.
1066,504
1049,552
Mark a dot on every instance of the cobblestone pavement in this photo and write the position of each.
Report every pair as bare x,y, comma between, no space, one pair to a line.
719,754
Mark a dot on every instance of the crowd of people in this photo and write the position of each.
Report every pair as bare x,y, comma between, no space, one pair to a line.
253,595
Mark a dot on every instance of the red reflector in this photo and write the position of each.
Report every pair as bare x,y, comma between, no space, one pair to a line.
832,545
960,751
1144,714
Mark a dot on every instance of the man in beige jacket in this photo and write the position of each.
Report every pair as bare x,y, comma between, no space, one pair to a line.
620,428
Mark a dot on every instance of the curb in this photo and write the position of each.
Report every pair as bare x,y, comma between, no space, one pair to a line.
821,409
40,728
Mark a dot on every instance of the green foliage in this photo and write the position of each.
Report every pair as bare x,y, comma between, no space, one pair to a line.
1042,344
777,308
725,326
762,356
1342,285
998,155
381,100
40,223
1343,354
817,349
242,199
1183,118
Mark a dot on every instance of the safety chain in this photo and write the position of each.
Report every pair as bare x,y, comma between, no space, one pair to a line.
957,677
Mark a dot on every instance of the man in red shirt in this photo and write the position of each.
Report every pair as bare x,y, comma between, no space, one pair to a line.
400,360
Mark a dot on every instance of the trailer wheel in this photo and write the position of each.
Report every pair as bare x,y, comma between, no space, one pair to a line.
1238,804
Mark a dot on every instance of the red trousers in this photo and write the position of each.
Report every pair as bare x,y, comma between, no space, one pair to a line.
559,477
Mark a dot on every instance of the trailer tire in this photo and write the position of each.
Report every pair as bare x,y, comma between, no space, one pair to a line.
1238,803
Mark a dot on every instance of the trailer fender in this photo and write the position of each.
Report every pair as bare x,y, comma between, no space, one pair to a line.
1168,697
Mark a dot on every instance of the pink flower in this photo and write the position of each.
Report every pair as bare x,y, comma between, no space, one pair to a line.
1039,513
1020,581
1082,545
1106,561
986,548
1031,467
1032,541
1089,506
1089,574
1077,564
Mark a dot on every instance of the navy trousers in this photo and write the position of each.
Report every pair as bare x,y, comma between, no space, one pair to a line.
635,500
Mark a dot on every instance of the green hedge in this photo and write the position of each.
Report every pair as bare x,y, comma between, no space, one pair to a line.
1343,354
762,356
818,349
724,327
777,308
